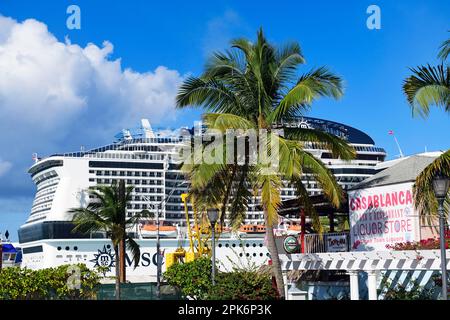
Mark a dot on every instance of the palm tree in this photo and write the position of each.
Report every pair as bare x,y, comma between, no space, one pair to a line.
428,86
255,86
107,213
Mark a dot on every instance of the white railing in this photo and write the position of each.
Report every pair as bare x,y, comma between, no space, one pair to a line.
315,242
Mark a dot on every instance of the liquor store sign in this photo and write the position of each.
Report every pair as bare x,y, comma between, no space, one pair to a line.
382,216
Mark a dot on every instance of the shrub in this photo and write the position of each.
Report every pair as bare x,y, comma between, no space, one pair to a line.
243,285
193,278
46,284
194,281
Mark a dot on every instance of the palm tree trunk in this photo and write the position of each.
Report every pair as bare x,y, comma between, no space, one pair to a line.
116,251
122,261
276,266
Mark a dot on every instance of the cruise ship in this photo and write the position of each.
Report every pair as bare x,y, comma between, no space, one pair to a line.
147,160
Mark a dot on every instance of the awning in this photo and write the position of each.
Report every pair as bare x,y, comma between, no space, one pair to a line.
8,248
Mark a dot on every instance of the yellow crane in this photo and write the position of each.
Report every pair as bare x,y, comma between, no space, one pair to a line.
197,239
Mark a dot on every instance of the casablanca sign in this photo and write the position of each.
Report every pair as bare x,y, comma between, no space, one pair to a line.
381,216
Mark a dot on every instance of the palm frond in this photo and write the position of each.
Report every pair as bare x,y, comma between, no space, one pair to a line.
133,246
428,86
338,147
425,199
312,85
444,50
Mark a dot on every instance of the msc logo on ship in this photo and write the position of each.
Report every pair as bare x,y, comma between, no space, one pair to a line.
106,259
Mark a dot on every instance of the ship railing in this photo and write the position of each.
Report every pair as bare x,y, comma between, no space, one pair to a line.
327,242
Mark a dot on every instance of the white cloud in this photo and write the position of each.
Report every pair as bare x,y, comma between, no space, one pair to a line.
4,167
54,82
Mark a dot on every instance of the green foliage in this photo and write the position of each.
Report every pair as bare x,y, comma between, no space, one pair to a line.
409,291
243,285
48,284
193,278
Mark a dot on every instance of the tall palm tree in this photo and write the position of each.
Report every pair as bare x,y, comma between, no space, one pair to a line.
428,86
107,213
255,86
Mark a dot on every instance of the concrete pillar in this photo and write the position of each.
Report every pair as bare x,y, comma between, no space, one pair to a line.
372,284
354,285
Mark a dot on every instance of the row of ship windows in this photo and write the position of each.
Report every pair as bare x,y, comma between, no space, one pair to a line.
46,185
182,216
45,176
128,181
46,191
42,183
126,173
37,203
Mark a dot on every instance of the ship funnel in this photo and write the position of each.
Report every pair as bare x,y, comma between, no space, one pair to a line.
148,132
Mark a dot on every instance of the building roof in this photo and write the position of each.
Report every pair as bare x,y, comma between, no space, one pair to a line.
403,171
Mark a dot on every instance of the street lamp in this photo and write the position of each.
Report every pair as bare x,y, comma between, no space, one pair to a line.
440,187
213,216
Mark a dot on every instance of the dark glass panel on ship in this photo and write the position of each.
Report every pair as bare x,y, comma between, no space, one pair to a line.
45,165
51,230
127,165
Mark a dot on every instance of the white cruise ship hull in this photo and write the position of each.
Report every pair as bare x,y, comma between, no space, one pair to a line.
95,252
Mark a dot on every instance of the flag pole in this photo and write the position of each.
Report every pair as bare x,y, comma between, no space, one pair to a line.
396,141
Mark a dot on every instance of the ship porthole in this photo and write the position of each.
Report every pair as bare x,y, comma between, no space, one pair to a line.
75,248
233,245
67,248
220,245
247,245
59,248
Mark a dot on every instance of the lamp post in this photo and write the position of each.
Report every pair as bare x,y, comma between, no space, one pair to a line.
213,215
440,187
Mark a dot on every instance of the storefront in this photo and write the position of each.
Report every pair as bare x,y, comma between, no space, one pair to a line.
381,208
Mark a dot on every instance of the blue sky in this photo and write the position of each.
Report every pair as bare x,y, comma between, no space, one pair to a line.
160,43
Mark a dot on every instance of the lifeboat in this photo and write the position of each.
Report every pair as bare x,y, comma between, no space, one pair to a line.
166,230
206,229
252,229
